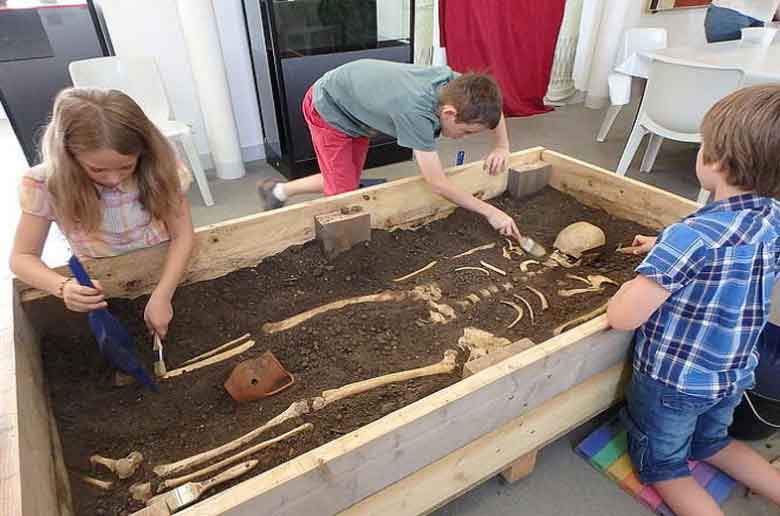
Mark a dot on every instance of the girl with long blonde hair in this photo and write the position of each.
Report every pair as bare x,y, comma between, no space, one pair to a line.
111,182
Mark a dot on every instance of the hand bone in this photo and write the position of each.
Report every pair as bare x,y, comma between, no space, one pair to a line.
122,468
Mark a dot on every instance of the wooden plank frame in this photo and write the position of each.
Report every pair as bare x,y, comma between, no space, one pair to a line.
412,460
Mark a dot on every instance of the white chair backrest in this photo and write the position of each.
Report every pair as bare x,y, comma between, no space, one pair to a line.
642,39
678,95
138,77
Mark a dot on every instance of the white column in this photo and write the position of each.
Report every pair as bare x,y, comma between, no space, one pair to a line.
561,85
199,25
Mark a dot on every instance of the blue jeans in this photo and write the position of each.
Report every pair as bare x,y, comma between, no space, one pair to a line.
666,428
723,24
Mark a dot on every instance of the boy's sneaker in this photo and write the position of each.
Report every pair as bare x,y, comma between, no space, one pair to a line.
265,189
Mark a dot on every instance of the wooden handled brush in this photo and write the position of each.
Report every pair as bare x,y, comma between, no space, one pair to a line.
190,492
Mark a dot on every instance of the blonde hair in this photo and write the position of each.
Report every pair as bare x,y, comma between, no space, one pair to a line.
742,132
87,119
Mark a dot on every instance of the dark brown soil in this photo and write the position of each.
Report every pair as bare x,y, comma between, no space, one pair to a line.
193,413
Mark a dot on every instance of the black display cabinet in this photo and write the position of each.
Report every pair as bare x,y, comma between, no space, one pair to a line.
293,43
37,43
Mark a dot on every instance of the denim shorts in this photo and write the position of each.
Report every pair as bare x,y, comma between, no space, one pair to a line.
722,24
666,428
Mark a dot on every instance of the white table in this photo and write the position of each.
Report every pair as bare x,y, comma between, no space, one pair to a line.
760,64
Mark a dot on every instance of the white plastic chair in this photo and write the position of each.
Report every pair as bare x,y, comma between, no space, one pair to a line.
675,101
628,64
139,78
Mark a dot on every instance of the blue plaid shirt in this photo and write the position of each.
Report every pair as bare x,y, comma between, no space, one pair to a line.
719,265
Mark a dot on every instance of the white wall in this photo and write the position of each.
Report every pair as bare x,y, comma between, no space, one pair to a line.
152,28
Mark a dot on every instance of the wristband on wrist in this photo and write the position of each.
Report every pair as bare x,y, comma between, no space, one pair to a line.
61,290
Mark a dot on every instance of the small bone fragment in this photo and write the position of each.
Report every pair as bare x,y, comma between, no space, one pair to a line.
173,482
485,293
527,305
524,265
505,253
579,278
492,268
295,320
100,484
123,468
473,298
427,292
446,366
122,380
444,310
208,361
493,289
216,350
562,261
575,291
479,343
507,286
415,273
550,263
597,280
141,492
581,319
464,305
436,317
517,309
476,249
542,298
473,269
296,409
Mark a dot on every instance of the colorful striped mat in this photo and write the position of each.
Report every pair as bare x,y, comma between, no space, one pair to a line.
606,450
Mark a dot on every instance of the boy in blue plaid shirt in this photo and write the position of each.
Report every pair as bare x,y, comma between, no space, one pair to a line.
699,304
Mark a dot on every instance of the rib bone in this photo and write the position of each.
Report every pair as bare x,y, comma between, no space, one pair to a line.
524,265
575,291
208,361
415,273
296,409
474,250
517,309
447,365
173,482
295,320
579,278
207,354
492,268
581,319
480,269
527,305
542,298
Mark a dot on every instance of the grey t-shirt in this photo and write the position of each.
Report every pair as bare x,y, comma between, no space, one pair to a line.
369,96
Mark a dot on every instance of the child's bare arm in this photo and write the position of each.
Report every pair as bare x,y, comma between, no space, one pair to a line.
635,302
433,172
496,161
158,311
27,265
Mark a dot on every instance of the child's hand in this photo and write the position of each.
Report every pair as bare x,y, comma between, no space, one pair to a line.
642,244
496,161
83,299
504,224
158,315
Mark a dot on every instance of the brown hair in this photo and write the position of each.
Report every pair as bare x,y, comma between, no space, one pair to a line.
86,119
742,132
476,97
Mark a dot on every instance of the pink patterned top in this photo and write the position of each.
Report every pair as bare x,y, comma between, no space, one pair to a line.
126,225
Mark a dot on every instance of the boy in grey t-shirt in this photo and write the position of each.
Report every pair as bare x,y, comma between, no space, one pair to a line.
414,104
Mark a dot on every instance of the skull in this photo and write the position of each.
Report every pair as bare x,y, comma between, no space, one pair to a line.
578,238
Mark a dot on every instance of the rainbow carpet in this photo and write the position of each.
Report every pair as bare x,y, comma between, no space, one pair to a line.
606,450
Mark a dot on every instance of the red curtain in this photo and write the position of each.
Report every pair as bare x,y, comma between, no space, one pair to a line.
513,40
